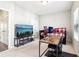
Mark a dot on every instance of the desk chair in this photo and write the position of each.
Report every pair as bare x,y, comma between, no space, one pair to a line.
56,50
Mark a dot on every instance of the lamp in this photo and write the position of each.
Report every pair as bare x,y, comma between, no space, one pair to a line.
44,2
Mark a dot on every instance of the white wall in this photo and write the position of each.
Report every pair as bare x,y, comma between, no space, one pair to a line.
60,19
18,15
75,41
22,16
8,6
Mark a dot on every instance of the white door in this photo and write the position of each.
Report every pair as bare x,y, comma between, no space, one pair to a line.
4,27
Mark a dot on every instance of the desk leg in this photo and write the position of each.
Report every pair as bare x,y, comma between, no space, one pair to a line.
39,49
57,51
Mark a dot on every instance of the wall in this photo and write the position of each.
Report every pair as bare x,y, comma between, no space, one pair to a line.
9,7
75,41
22,16
18,15
60,19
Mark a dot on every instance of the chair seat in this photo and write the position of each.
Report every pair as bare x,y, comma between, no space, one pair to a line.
52,46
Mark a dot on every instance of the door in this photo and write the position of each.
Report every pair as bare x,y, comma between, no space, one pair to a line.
3,29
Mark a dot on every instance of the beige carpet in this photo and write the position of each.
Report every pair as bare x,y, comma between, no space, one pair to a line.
3,47
31,50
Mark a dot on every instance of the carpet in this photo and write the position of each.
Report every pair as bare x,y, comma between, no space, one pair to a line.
64,54
3,47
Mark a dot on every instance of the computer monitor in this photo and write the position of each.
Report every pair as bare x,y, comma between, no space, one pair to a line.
50,29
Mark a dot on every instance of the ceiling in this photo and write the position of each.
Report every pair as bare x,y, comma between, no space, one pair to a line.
51,7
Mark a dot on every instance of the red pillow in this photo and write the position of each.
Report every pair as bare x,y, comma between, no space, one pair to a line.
57,30
61,31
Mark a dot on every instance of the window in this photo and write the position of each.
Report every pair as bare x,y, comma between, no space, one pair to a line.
76,24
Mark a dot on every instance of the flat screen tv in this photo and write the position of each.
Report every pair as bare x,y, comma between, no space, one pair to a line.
23,30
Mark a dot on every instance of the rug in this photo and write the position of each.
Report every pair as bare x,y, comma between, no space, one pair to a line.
63,54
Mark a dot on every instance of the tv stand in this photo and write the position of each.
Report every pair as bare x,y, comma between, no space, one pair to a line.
21,41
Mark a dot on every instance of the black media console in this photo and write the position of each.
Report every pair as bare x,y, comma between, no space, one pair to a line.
21,41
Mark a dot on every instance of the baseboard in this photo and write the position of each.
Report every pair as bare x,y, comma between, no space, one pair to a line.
68,42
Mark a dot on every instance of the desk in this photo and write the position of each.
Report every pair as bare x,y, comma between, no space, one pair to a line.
54,40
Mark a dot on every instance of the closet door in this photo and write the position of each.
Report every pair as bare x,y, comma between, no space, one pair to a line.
4,27
1,33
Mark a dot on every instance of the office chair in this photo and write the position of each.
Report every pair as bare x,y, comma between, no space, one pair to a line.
55,50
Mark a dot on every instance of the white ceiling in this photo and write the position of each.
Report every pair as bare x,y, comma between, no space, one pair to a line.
51,7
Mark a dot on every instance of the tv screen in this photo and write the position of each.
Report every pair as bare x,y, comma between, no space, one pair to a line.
23,30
